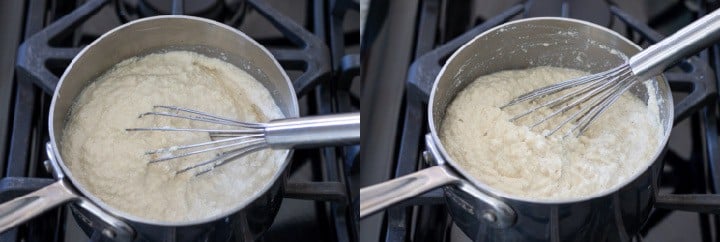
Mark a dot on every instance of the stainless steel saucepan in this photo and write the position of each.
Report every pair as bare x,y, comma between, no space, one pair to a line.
487,214
247,220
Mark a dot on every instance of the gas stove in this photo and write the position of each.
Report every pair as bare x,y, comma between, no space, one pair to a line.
316,41
423,34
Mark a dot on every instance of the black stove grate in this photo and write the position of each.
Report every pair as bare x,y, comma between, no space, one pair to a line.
335,96
421,218
52,39
36,53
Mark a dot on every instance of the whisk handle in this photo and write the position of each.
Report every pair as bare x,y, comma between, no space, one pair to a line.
315,131
683,43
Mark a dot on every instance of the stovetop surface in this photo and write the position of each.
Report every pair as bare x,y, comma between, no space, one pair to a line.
316,41
421,41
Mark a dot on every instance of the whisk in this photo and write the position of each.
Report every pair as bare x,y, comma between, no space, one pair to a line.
592,95
236,139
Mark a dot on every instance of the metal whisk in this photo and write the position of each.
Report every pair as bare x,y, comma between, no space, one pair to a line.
236,139
591,95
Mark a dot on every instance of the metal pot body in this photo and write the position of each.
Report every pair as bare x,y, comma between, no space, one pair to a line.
245,222
613,217
248,224
609,216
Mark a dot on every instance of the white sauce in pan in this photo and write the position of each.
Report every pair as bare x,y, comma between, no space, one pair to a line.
110,162
521,162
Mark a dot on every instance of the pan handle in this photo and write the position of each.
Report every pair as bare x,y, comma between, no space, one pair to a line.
22,209
110,226
379,196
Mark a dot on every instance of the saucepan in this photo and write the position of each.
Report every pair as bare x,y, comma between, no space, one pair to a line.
487,214
247,220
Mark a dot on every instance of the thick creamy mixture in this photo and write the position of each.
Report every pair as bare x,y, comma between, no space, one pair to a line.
522,162
110,162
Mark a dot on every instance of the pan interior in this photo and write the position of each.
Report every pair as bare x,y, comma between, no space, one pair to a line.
161,34
537,42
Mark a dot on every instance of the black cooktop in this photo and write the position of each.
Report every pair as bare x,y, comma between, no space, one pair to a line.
424,37
404,45
317,43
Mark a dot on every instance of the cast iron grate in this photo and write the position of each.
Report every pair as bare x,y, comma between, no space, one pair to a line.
310,57
694,78
335,95
39,60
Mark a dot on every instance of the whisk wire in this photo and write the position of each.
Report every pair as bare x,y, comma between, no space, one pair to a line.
225,157
178,112
605,104
219,141
594,94
230,144
555,102
195,118
219,131
582,96
220,147
233,143
584,109
170,151
588,95
557,87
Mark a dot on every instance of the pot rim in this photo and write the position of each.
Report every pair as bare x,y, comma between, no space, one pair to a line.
66,172
660,79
